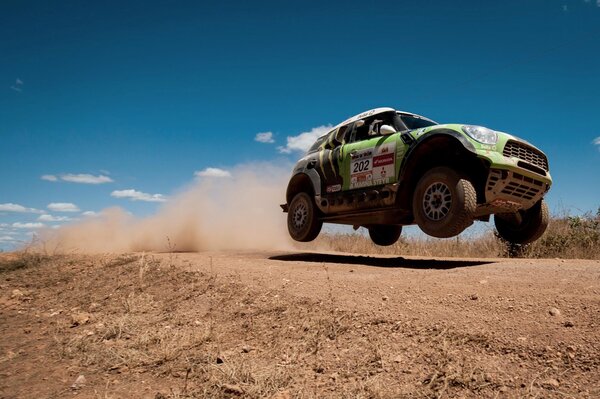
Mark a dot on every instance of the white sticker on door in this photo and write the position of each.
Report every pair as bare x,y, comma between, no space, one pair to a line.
373,166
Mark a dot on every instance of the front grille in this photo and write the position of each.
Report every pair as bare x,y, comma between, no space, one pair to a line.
523,187
525,153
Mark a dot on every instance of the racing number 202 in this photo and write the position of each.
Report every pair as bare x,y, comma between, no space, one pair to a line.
361,166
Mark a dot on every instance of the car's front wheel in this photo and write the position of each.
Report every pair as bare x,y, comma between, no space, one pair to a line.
385,234
524,226
303,223
444,203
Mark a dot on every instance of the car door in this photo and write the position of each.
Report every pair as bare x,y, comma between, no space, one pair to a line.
369,162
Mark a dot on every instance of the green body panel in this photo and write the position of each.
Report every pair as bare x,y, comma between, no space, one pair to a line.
381,157
491,153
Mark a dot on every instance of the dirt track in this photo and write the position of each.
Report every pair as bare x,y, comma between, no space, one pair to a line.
300,325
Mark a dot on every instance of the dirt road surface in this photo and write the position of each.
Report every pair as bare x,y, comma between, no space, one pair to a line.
298,324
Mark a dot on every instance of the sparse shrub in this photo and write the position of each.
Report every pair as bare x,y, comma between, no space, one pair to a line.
570,237
566,237
21,260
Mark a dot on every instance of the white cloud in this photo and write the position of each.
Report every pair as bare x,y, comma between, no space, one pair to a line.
8,239
89,214
82,178
212,172
19,225
18,86
63,207
304,140
86,178
135,195
50,218
266,137
10,207
597,139
49,178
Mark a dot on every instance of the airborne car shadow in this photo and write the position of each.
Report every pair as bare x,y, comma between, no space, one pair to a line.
379,261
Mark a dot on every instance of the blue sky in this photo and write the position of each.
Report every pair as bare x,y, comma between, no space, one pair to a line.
137,96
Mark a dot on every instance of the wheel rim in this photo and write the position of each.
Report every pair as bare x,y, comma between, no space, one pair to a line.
437,201
300,215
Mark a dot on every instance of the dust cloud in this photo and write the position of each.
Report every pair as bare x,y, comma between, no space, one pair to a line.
237,212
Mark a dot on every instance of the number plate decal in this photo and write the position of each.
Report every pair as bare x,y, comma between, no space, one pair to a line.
373,166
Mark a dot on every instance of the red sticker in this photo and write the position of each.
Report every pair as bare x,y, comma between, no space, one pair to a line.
382,160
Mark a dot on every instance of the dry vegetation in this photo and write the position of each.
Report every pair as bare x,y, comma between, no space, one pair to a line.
567,237
141,326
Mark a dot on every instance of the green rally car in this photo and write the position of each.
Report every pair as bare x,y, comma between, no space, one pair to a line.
383,169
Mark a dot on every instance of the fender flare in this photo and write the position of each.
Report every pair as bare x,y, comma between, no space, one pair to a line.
312,175
467,145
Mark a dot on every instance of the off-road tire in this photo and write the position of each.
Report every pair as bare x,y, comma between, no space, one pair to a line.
302,219
385,234
533,224
457,203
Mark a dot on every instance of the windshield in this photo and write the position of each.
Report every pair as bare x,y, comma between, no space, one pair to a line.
416,122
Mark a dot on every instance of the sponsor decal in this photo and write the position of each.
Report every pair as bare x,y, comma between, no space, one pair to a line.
361,180
373,166
365,114
334,188
381,160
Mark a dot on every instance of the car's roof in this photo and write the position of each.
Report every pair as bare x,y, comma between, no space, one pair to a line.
372,112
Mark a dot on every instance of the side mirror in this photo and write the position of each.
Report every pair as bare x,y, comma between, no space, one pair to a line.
386,130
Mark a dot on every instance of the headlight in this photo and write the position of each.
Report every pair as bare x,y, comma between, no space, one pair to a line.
481,134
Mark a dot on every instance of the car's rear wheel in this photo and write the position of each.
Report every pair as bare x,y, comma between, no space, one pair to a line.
303,223
444,203
524,226
385,234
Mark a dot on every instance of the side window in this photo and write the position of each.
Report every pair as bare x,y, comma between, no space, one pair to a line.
371,125
315,147
334,138
340,135
337,137
360,133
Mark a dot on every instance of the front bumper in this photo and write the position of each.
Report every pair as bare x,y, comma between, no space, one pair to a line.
516,179
513,190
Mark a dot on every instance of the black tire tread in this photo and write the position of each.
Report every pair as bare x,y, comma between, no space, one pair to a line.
461,219
385,235
314,227
531,231
465,218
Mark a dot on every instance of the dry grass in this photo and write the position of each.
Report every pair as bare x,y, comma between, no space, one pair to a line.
21,260
200,331
567,237
197,333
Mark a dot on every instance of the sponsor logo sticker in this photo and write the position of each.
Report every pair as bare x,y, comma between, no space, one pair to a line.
381,160
334,188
